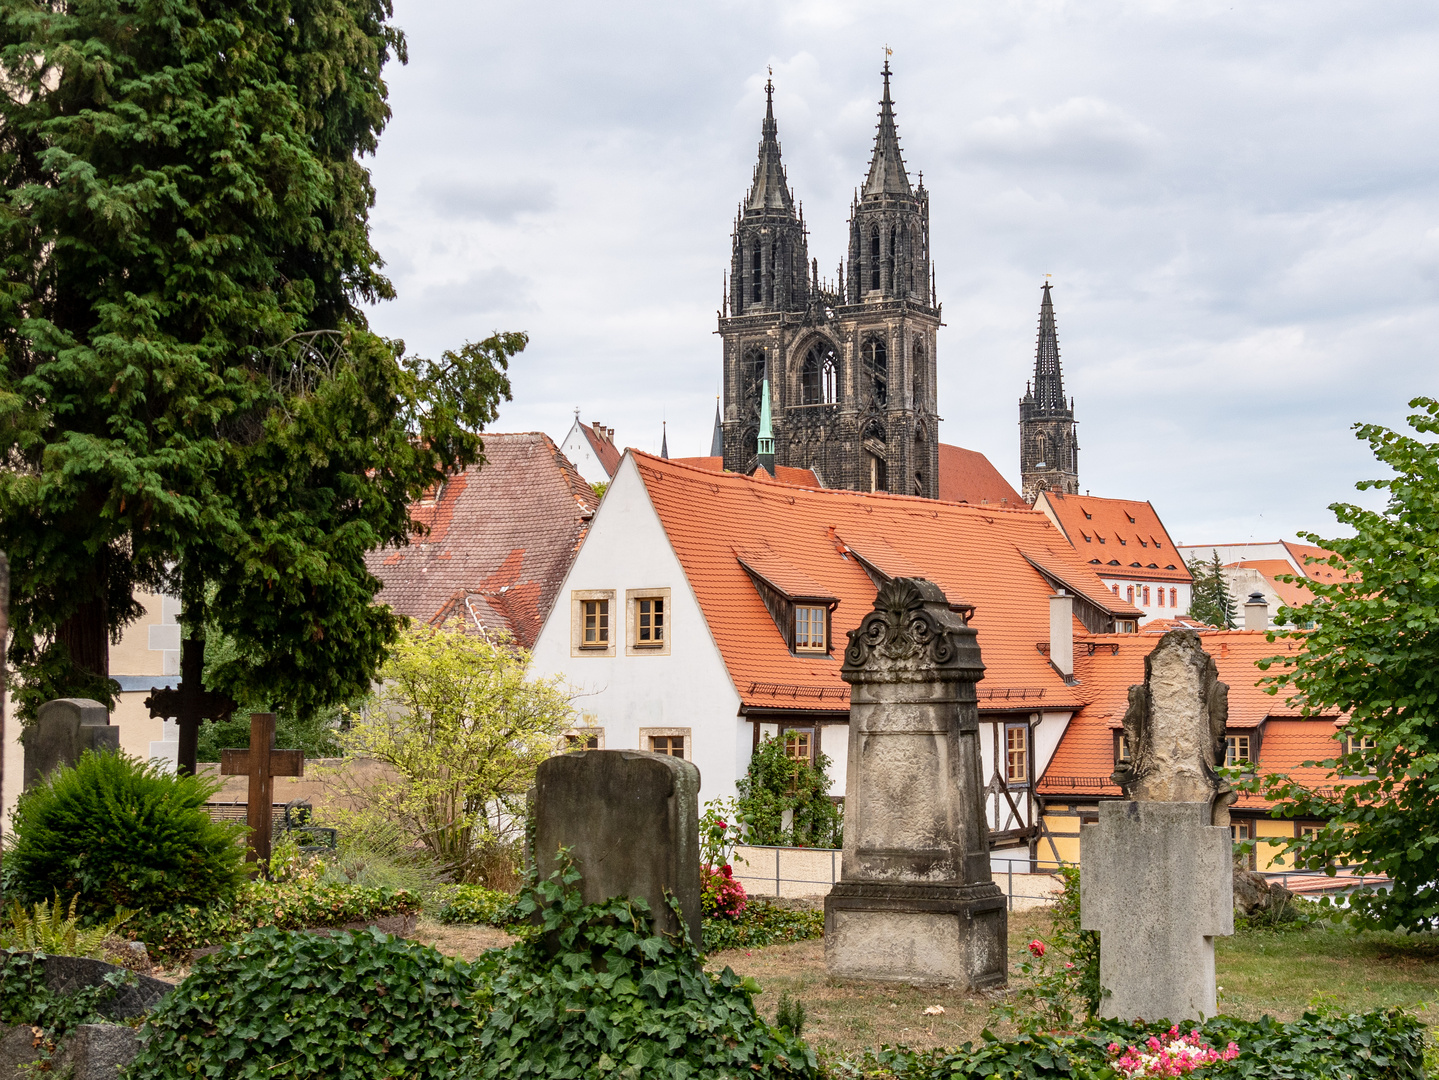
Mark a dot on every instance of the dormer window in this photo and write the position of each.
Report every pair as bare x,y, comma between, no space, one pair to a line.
1131,520
1086,537
811,629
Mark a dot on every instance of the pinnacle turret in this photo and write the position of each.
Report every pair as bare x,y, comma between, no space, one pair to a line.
886,167
1048,392
770,190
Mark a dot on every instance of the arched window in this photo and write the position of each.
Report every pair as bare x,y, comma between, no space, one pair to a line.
920,457
749,442
1146,594
1161,597
1041,451
819,375
917,360
874,259
1129,593
1173,597
889,262
776,260
752,377
757,276
875,357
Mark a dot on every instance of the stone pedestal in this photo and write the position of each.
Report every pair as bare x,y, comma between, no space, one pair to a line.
631,822
1156,884
915,901
63,730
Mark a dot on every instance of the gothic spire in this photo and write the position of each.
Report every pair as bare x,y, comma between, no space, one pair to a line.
764,444
664,440
1048,381
717,439
769,190
886,167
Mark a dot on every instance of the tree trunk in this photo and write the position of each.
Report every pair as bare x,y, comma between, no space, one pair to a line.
87,635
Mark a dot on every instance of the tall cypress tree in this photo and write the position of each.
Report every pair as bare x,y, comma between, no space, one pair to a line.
189,392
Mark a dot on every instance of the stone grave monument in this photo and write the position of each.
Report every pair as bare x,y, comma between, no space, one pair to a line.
63,730
915,901
1157,873
631,822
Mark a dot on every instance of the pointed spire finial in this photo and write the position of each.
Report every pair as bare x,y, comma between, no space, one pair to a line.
717,439
886,167
1048,378
664,440
770,190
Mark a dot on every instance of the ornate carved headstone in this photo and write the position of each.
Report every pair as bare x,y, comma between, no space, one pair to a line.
63,730
631,823
1156,878
915,901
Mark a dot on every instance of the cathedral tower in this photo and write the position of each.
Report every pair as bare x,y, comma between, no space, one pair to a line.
1048,447
851,365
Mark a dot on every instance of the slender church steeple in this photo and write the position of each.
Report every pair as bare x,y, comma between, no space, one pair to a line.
717,439
765,442
1048,446
886,166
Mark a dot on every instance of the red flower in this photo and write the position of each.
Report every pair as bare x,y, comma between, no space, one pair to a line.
721,824
1036,947
726,871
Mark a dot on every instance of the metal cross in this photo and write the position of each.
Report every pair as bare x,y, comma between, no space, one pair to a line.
190,703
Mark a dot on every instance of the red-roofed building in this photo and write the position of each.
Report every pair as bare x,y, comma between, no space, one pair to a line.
501,538
1127,546
591,449
707,610
1264,729
967,476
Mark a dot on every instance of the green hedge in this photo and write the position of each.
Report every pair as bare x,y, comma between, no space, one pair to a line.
1387,1044
292,905
762,923
477,904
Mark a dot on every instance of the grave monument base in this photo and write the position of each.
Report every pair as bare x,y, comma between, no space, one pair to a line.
1157,886
916,933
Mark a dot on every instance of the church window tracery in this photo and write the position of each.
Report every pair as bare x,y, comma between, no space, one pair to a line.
889,262
875,358
819,375
757,275
917,361
752,376
874,259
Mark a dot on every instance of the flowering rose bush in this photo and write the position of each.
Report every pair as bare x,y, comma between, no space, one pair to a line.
1171,1055
1036,949
721,896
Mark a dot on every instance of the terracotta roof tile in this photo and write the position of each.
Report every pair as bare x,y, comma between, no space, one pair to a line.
968,476
1301,553
1114,535
975,554
605,450
502,536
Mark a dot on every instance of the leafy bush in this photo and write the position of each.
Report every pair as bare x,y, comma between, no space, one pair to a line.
286,905
26,998
763,922
593,992
353,1006
776,783
1062,973
1387,1044
117,833
477,904
57,932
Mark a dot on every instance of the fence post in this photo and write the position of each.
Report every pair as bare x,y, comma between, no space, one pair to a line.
831,866
1010,863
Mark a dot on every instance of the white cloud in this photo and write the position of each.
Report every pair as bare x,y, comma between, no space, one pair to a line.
1083,132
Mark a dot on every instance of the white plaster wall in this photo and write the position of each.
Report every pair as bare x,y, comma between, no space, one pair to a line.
834,742
1230,553
626,548
1047,734
577,448
1152,610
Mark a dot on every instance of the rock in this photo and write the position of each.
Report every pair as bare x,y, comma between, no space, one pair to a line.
90,1052
1254,893
66,974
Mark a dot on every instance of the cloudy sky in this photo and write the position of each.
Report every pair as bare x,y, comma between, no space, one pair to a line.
1238,204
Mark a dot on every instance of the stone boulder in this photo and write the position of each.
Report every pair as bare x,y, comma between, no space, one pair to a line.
90,1052
1254,893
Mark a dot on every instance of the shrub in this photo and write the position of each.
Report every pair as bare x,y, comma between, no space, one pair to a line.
1062,973
353,1006
288,905
776,783
721,896
1387,1044
117,833
763,922
477,904
594,992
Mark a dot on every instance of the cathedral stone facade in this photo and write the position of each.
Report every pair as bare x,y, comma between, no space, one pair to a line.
1048,445
850,364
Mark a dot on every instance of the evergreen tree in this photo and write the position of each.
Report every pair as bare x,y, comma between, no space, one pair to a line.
189,392
1212,602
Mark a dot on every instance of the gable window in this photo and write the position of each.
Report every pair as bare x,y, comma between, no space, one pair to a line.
1236,750
1359,744
1016,754
591,622
1121,748
648,622
597,624
810,631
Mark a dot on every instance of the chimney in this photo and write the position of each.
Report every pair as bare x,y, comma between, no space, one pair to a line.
1061,633
1256,612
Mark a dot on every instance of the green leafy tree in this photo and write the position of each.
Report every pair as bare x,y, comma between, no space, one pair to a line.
461,730
1373,653
1211,602
188,390
777,783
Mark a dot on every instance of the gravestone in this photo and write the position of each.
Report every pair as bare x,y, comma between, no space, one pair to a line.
63,730
915,901
1157,873
631,822
261,762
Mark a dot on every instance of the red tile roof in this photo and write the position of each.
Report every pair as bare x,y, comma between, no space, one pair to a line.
502,537
1117,537
968,476
1292,594
1107,665
785,474
975,554
603,446
1317,571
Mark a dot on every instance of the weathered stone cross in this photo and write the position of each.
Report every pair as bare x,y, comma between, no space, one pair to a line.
261,763
190,703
